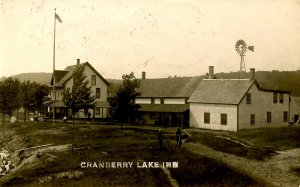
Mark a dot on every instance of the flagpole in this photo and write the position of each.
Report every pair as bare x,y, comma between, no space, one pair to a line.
54,94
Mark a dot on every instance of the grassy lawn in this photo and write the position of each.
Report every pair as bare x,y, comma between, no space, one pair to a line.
212,140
265,141
106,144
276,138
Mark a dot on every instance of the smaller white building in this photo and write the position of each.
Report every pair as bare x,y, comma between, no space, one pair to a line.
234,104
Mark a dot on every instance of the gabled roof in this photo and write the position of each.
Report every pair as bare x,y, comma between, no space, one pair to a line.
169,87
68,73
222,91
58,75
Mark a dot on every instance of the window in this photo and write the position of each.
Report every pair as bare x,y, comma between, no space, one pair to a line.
281,97
206,117
248,98
269,117
93,80
97,92
274,97
252,119
285,116
223,119
97,110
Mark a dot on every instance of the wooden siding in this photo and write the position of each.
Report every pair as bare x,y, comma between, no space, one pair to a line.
197,111
99,84
261,103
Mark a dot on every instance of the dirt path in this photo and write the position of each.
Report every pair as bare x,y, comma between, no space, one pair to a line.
274,171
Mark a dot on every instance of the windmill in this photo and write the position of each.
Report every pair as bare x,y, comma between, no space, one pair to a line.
241,49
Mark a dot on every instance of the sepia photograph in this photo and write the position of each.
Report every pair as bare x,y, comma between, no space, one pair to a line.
172,93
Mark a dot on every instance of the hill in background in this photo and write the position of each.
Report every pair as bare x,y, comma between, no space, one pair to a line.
276,80
42,78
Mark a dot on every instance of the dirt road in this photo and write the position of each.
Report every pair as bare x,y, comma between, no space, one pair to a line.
274,172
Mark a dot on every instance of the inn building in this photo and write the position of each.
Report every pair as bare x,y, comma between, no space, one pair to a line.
163,101
64,79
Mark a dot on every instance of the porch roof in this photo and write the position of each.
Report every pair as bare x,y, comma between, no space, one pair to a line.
164,107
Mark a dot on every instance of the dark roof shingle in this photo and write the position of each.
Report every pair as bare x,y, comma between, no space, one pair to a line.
169,87
223,91
67,73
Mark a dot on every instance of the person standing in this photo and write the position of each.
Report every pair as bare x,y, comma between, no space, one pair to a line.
160,138
178,138
89,116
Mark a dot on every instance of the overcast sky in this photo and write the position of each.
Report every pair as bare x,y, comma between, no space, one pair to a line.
160,37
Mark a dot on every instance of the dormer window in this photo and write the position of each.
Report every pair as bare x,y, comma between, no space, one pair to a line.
248,98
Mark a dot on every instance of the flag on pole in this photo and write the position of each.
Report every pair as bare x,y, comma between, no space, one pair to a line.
58,18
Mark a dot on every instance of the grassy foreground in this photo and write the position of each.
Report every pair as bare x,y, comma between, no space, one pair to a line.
262,143
108,144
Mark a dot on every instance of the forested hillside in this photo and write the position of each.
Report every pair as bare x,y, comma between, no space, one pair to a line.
278,80
42,78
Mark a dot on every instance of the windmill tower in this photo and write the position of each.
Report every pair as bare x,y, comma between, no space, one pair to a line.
241,49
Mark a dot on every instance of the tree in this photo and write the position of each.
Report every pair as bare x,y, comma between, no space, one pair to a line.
10,96
40,97
27,97
33,96
122,103
79,96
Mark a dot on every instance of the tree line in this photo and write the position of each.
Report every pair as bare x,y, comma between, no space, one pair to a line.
15,94
33,97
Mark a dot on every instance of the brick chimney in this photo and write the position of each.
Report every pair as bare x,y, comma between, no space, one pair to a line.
211,72
78,61
143,75
252,73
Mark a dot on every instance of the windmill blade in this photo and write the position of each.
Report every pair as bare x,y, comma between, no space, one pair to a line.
251,48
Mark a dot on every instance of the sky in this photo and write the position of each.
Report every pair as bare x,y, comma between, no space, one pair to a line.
161,37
